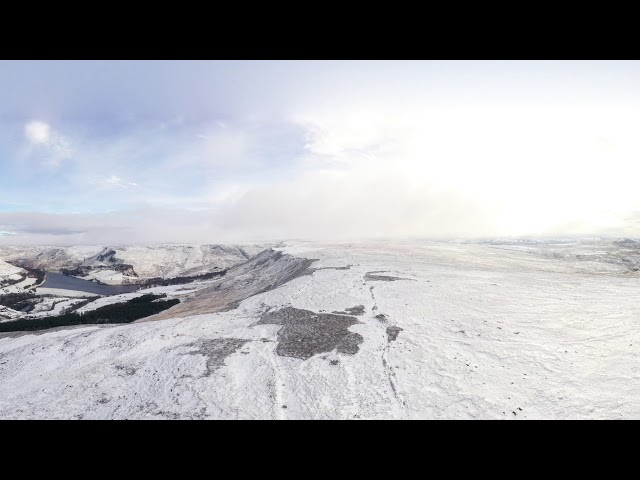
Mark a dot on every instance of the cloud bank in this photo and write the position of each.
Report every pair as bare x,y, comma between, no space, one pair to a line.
320,150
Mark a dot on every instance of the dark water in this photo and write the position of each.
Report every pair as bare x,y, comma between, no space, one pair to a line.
57,280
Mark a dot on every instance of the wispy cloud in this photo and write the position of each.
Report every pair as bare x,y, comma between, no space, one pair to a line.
116,181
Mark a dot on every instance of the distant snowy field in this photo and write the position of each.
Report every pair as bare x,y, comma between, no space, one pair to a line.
447,330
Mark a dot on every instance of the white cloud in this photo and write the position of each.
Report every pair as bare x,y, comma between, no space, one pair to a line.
56,147
37,132
528,169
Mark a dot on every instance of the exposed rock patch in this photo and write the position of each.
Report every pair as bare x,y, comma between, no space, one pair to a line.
392,333
305,333
371,276
216,350
357,310
126,369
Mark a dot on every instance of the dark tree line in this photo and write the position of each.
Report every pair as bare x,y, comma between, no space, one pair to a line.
78,305
37,273
126,312
17,301
165,282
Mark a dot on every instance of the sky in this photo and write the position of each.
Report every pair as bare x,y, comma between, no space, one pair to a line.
132,152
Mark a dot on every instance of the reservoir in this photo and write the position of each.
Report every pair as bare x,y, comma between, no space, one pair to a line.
64,282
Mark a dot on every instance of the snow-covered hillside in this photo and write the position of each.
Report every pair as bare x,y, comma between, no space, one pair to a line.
10,274
367,330
15,279
116,265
